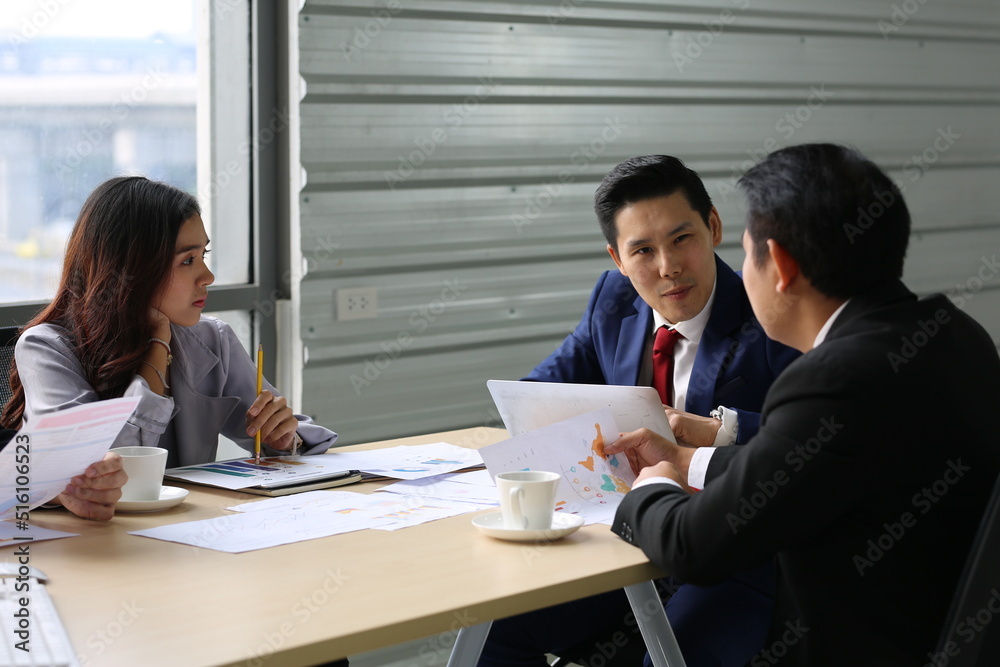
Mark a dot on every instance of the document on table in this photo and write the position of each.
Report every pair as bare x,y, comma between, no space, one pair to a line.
307,516
449,487
12,535
248,531
39,461
593,484
390,511
409,461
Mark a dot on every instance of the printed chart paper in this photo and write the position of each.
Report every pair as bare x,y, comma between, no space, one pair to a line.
242,473
307,516
593,484
403,462
388,511
37,464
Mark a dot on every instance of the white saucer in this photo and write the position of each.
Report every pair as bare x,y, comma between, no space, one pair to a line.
562,525
169,496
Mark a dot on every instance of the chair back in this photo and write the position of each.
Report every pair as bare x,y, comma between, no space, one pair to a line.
8,338
969,639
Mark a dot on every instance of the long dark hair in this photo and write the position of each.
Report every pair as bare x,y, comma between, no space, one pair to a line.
118,257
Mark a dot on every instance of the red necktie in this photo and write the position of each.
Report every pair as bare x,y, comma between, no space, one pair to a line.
663,362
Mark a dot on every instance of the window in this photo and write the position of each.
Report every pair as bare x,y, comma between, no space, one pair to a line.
110,87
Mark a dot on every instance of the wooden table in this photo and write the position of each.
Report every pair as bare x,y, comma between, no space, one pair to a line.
129,600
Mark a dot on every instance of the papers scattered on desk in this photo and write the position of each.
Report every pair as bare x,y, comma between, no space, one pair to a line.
244,473
593,484
248,531
313,514
8,533
390,511
408,462
475,486
39,461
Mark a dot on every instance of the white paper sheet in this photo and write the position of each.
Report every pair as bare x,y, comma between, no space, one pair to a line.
592,484
445,489
247,531
306,516
39,461
389,511
409,461
12,536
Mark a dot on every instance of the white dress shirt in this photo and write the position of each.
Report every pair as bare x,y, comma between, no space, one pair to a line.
698,468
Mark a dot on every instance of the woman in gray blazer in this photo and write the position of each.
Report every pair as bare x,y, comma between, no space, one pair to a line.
127,321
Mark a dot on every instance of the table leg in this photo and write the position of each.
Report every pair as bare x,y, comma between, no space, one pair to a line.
468,645
656,632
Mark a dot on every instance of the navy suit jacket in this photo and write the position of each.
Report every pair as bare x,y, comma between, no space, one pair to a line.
735,365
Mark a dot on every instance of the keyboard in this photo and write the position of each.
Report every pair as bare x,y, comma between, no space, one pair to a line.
47,642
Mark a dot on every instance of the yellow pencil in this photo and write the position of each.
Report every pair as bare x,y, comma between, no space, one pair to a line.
260,388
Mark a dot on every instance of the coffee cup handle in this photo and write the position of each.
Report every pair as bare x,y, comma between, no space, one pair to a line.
515,507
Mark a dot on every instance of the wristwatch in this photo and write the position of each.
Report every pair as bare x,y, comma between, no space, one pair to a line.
716,413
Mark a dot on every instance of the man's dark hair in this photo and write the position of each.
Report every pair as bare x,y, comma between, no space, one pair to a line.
839,216
646,177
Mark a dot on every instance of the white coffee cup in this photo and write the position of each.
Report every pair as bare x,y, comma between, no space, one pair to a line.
527,498
144,467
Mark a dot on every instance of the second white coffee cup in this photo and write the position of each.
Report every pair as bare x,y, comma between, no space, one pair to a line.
527,498
144,467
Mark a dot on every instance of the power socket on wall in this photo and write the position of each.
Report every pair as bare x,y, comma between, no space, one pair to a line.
357,303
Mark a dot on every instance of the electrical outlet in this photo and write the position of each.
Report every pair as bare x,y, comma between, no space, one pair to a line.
357,303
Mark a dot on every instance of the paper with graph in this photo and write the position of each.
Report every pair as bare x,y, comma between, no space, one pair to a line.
38,463
593,483
307,516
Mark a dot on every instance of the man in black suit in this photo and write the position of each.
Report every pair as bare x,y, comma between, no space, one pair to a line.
875,456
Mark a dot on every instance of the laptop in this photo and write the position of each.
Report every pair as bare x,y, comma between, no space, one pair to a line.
526,406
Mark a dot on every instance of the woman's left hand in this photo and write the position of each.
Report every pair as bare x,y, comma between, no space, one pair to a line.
277,423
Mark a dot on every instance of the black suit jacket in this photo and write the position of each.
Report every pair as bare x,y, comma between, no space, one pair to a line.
873,464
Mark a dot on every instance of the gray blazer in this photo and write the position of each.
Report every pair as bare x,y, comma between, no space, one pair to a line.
212,378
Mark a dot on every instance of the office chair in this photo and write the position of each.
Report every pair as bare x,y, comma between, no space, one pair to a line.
977,597
8,337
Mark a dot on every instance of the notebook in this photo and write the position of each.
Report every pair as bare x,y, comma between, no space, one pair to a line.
526,406
273,476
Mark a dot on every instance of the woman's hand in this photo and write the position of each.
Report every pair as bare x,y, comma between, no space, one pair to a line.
276,422
161,325
93,494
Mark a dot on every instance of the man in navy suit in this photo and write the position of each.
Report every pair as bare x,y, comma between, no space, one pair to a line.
875,456
662,231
